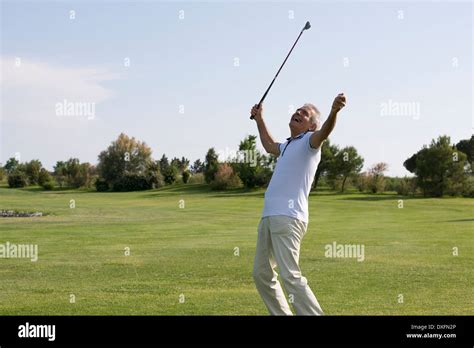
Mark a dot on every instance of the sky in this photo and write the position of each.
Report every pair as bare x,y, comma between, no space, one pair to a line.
183,76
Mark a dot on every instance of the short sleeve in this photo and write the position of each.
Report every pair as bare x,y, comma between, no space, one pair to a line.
310,147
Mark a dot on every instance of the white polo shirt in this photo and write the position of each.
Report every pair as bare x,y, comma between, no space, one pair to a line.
287,193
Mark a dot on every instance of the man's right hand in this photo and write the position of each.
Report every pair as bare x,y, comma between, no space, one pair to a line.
256,112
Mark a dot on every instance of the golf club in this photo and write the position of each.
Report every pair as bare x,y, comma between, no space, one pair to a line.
306,27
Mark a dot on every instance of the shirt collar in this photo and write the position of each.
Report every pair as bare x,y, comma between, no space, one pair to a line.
298,136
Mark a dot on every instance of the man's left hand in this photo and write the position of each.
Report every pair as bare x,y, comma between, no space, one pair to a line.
339,103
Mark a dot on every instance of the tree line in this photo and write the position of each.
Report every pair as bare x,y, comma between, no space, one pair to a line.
440,168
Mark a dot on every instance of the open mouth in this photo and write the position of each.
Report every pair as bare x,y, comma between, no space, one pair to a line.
296,119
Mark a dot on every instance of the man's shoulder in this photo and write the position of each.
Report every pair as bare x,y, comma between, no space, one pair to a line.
307,139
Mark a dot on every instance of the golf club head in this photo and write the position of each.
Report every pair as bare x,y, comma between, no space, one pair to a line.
307,26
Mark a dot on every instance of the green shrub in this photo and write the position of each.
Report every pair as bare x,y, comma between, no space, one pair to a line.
170,174
405,186
101,185
156,179
48,185
44,177
17,179
197,178
468,190
32,170
186,176
132,182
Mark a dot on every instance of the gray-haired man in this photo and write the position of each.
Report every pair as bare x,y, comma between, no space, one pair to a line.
285,214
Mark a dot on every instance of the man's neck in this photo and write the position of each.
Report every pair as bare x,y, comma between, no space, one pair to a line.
295,134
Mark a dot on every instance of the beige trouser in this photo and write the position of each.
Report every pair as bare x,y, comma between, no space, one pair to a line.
278,244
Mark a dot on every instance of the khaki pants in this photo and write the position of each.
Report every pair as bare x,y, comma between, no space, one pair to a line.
278,244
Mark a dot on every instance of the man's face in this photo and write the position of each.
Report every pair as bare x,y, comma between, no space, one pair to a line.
300,121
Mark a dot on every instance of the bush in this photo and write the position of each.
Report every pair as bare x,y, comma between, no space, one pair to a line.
211,165
197,178
48,185
156,179
456,187
44,177
391,184
17,179
186,176
132,182
170,174
406,186
2,173
32,171
377,184
363,182
101,185
337,183
469,187
225,178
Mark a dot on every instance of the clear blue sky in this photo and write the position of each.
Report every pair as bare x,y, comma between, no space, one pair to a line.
423,58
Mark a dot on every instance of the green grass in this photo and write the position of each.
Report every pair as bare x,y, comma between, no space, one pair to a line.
190,251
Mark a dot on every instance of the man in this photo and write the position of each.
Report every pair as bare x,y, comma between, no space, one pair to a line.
285,214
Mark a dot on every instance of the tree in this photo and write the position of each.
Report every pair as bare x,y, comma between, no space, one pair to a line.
32,170
253,168
45,180
175,162
81,175
197,167
182,164
328,152
124,156
11,165
169,170
44,177
467,146
60,173
439,168
2,173
410,163
154,174
347,163
211,165
73,173
186,175
170,174
164,163
376,177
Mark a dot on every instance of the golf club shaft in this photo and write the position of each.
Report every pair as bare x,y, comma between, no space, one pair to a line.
271,84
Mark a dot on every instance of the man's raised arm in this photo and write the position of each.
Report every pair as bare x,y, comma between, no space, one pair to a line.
320,135
270,145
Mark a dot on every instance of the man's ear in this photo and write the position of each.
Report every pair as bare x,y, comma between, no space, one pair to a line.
312,128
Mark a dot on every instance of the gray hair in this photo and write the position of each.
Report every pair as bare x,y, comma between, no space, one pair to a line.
315,118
